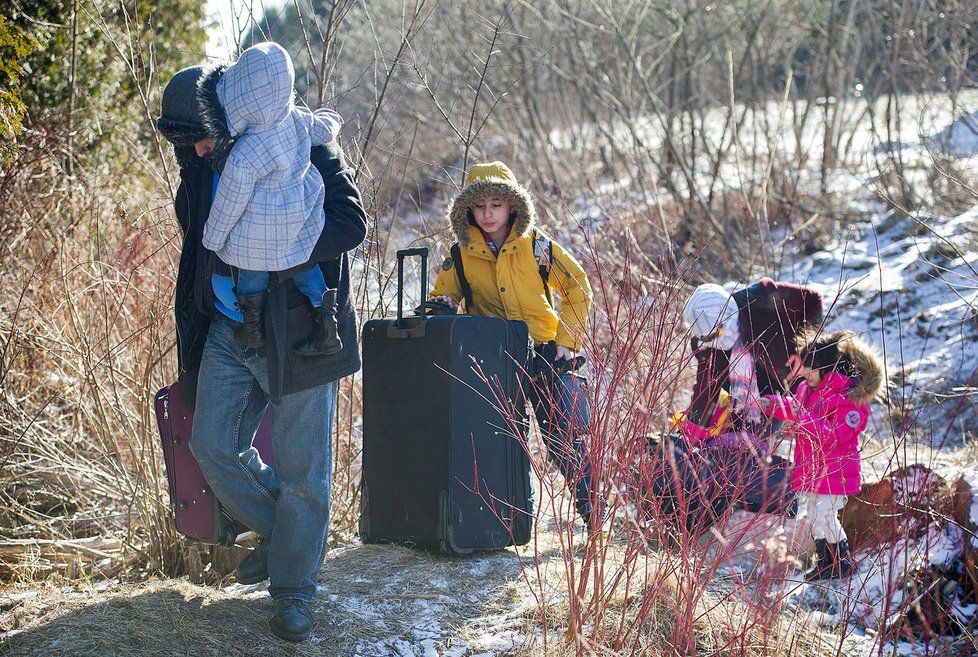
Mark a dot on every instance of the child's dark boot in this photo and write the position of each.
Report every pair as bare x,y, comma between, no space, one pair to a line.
823,561
251,333
325,337
842,566
833,562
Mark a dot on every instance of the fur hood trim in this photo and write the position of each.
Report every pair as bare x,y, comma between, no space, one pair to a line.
512,192
212,113
869,381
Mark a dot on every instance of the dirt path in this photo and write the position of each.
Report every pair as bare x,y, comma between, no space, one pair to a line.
375,601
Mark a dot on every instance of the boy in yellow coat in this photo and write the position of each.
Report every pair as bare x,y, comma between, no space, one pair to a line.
503,266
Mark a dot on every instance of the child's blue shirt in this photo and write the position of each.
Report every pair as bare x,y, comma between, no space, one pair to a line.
224,299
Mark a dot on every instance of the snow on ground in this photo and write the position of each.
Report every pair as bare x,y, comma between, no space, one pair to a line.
910,286
959,139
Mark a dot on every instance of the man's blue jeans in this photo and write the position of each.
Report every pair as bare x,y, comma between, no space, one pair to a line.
287,504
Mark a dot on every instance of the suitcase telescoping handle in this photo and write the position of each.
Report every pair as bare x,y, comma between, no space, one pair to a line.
408,253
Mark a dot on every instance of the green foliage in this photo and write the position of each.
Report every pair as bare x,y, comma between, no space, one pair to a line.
123,52
15,45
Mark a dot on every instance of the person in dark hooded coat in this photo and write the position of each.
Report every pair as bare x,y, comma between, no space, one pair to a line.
230,386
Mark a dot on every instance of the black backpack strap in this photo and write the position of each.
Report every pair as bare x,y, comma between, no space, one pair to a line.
463,282
543,253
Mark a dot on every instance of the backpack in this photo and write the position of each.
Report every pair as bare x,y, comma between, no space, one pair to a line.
542,253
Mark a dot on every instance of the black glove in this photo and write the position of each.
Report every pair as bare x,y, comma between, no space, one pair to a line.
436,308
545,361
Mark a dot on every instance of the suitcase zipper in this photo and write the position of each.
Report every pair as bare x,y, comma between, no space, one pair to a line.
166,434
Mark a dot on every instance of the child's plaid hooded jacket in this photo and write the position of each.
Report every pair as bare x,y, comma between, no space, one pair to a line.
268,211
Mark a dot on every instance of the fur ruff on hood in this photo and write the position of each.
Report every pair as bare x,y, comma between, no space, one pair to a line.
869,380
512,192
869,369
211,113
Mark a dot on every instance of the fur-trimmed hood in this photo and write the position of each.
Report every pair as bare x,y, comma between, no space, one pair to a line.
491,180
867,372
869,379
211,113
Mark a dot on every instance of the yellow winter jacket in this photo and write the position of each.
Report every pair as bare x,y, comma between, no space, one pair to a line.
510,285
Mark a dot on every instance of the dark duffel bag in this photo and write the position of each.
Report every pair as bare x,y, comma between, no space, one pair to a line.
197,513
444,430
695,487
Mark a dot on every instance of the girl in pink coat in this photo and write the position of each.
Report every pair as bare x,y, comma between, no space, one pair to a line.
826,414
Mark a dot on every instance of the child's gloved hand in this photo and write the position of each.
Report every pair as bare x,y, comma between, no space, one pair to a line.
449,305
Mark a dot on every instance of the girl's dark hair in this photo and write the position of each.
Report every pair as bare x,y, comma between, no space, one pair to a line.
823,354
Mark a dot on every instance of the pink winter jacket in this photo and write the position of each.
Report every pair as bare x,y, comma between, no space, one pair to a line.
826,423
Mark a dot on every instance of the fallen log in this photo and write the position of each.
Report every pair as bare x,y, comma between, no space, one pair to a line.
17,551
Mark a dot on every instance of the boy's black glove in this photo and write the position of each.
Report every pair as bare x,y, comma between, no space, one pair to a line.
436,308
563,365
545,361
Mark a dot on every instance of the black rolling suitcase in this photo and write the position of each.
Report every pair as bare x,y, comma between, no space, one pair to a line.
442,468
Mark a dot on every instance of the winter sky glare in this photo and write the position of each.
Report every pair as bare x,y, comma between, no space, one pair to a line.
230,19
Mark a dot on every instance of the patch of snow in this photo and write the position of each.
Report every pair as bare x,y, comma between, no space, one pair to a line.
908,286
823,619
911,487
503,641
959,139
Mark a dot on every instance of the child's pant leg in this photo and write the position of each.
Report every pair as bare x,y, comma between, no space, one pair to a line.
561,408
250,282
823,514
311,283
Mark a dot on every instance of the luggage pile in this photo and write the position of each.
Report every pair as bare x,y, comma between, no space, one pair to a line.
444,432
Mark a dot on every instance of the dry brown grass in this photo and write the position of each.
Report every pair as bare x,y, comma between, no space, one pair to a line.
371,594
374,596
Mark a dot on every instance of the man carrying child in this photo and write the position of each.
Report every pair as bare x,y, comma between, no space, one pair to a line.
225,372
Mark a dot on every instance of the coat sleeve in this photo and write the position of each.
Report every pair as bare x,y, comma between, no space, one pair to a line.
346,220
446,284
325,126
234,192
569,280
781,407
712,374
843,422
181,205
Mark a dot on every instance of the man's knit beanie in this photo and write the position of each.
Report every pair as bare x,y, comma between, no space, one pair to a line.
180,120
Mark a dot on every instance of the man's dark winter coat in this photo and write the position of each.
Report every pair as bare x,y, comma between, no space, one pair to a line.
771,314
287,316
